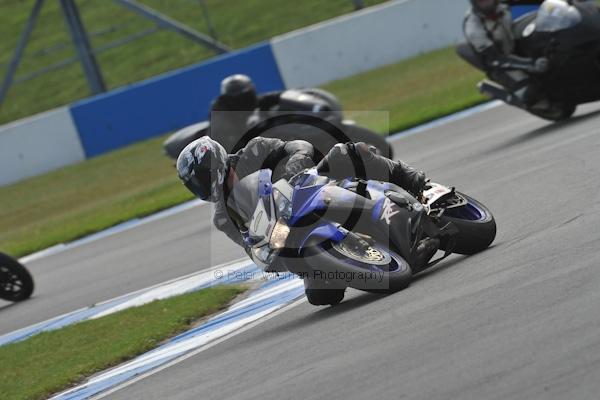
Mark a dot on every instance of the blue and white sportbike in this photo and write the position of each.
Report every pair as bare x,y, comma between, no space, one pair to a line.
352,233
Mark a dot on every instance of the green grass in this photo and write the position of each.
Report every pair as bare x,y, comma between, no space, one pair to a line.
87,197
238,23
413,92
52,361
138,180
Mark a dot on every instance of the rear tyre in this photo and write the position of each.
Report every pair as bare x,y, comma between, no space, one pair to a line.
476,226
559,112
16,284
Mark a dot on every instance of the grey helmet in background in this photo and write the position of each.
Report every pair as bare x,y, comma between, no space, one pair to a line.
488,8
202,167
238,93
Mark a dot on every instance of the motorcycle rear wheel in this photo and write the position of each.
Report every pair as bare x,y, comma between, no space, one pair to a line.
559,112
476,226
16,284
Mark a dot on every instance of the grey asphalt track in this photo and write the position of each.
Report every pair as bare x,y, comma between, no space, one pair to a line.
119,264
519,321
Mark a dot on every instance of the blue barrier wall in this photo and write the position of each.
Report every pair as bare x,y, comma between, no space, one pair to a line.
168,102
518,11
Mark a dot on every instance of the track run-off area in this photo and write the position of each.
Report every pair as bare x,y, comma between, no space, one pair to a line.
520,320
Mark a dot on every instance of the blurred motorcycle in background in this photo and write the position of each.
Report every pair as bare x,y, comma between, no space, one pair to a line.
16,283
313,102
567,34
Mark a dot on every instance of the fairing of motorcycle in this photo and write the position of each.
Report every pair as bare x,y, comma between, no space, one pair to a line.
355,233
553,16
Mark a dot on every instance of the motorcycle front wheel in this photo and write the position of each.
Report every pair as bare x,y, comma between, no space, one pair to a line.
323,293
359,265
16,284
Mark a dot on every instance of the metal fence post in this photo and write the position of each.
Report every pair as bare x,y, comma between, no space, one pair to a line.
83,47
209,25
170,23
14,62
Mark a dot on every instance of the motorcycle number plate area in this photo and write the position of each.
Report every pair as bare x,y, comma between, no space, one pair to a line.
436,192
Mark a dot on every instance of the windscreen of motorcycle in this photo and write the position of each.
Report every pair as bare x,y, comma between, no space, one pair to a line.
556,15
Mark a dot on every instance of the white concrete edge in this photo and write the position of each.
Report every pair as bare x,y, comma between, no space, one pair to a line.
35,117
201,349
335,20
361,41
38,144
170,288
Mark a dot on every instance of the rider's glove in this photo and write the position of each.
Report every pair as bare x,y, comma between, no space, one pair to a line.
541,65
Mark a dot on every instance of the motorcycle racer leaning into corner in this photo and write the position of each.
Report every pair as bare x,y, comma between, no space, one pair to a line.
210,173
488,28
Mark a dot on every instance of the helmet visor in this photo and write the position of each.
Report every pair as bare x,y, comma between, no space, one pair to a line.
200,184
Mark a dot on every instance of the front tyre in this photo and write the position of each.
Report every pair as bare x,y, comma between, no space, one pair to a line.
358,264
322,293
16,284
476,226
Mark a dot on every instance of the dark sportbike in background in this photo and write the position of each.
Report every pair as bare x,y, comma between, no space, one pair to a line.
567,33
310,102
16,283
352,233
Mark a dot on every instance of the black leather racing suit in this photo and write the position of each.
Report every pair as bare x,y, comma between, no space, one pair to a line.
286,159
493,41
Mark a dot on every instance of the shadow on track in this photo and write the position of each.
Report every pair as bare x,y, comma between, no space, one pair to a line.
362,299
7,305
323,313
545,130
440,267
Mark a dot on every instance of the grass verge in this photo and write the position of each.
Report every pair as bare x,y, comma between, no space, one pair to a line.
52,361
84,198
414,91
163,51
138,180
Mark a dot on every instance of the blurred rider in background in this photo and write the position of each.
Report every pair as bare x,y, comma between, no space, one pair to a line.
488,29
234,106
239,108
